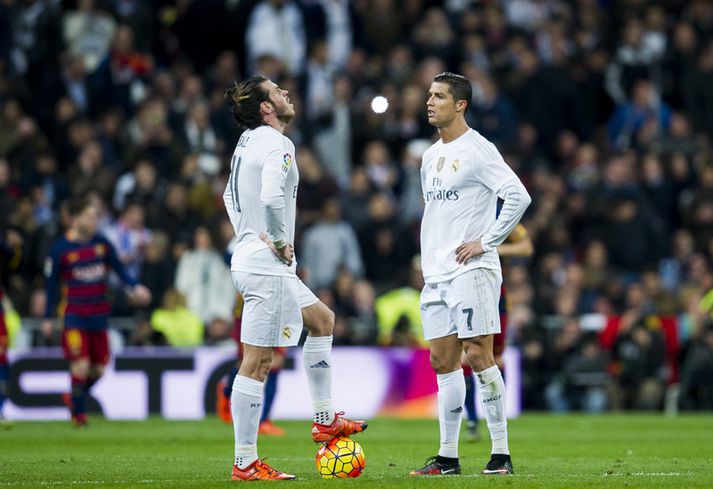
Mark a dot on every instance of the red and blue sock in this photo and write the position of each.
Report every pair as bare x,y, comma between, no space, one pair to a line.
469,403
269,396
79,395
4,376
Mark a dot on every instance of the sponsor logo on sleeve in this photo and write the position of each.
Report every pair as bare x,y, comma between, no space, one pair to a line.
286,162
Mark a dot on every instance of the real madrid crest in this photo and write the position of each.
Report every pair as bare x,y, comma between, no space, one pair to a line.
441,162
287,332
455,165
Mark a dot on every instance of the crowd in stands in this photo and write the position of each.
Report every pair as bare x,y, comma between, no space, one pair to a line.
604,108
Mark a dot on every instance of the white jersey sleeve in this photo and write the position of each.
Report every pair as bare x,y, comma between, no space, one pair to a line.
272,196
260,198
497,176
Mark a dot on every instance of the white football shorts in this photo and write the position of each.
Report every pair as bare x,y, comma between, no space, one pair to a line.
466,305
272,314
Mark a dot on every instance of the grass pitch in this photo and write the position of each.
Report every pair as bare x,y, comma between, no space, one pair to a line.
548,452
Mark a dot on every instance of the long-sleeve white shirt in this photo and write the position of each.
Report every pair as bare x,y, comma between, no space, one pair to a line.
261,197
461,182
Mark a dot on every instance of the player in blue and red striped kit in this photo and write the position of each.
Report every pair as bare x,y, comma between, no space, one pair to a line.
10,244
78,267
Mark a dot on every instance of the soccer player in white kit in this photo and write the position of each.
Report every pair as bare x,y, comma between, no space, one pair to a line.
462,177
260,198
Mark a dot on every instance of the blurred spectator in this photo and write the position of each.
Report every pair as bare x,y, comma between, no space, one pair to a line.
119,75
151,137
73,83
333,143
130,236
316,186
175,217
362,324
634,237
328,245
679,140
696,386
138,186
158,268
661,302
433,35
659,191
636,58
339,20
586,378
636,123
276,28
87,32
638,364
9,192
380,168
491,113
179,325
36,39
44,175
411,198
137,15
697,91
354,201
204,279
9,124
386,245
198,134
90,174
318,81
525,335
5,37
566,346
679,61
398,311
697,206
218,333
545,97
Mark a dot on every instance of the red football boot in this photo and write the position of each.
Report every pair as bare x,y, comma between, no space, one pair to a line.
340,427
259,471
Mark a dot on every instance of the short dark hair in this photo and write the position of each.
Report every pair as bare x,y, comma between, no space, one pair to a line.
78,204
459,86
245,98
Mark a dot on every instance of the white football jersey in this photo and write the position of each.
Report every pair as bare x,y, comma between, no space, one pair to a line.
461,182
261,197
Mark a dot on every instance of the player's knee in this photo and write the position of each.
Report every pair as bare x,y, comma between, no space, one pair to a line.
264,368
479,354
80,368
325,322
256,365
443,365
329,318
480,360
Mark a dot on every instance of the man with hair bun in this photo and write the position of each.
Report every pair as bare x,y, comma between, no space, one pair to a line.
260,199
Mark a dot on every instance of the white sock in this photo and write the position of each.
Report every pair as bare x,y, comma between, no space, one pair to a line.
246,407
317,358
451,396
492,397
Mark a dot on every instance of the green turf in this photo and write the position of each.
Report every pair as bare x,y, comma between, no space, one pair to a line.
548,451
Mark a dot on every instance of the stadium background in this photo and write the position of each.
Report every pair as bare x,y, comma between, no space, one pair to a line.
603,108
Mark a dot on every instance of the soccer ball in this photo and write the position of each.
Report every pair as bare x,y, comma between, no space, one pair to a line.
342,457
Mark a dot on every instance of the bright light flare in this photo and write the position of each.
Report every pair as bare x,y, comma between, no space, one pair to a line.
379,104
